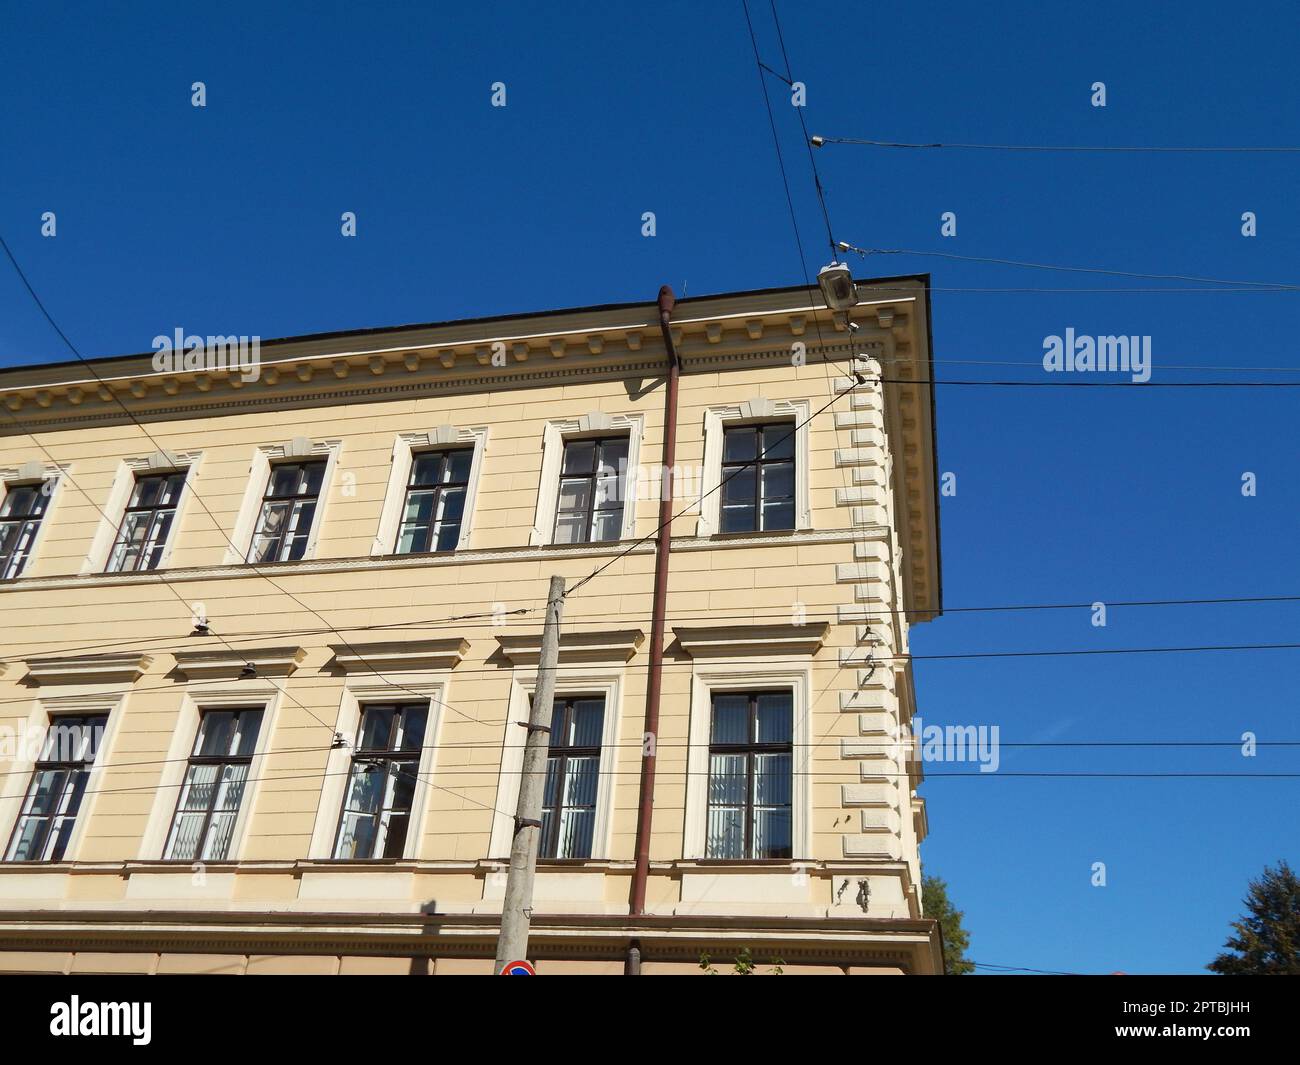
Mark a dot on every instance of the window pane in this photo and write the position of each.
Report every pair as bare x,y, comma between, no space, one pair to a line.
284,480
184,844
356,836
772,833
579,456
448,536
172,490
313,477
426,468
216,848
738,487
774,717
580,780
728,779
250,723
453,504
771,780
613,456
460,464
738,518
413,723
778,481
216,732
419,506
738,445
147,492
778,440
151,553
376,728
726,832
588,721
571,529
575,494
730,719
779,515
575,834
607,525
19,501
609,491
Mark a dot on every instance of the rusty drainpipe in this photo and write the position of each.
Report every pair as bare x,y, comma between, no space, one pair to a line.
645,812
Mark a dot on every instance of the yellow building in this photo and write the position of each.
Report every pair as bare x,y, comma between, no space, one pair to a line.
269,631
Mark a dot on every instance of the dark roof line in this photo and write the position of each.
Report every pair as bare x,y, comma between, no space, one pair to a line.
924,279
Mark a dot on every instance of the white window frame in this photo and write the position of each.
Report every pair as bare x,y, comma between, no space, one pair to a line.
128,472
405,448
30,473
522,689
250,695
754,412
554,436
358,691
259,473
46,710
739,676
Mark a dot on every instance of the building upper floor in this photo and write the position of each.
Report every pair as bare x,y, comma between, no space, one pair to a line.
526,433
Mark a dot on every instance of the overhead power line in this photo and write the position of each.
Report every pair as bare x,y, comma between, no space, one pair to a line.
1269,285
819,141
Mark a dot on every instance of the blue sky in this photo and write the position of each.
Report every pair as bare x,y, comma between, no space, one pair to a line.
226,220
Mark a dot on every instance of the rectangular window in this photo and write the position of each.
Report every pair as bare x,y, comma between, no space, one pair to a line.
750,775
381,784
593,478
435,501
49,811
142,535
20,519
288,509
214,786
758,477
572,775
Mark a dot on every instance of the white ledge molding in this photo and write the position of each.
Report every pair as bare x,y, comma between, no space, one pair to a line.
618,645
89,669
399,656
716,641
228,665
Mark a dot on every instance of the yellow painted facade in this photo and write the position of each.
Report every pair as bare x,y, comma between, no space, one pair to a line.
821,611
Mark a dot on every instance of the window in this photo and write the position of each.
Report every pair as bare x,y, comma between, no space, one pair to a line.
49,811
572,776
750,775
214,785
150,512
435,501
377,803
20,519
758,477
592,480
288,508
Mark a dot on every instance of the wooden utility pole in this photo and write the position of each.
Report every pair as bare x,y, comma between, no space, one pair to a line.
516,910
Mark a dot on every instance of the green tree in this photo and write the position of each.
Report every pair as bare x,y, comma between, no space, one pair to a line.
1267,939
934,899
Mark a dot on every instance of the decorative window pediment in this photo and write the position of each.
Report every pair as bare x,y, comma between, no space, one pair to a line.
618,645
124,668
225,664
731,640
399,656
